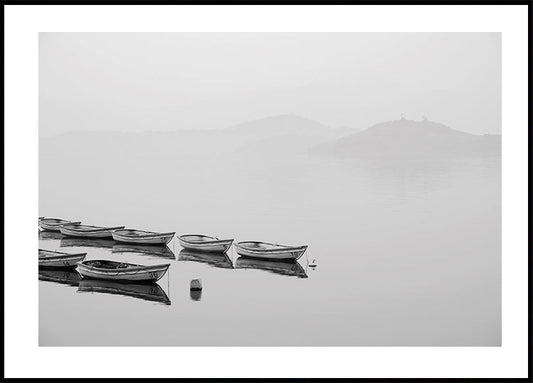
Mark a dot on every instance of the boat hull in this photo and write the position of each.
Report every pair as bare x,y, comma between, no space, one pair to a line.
215,246
52,224
154,239
71,231
59,260
49,227
282,253
141,274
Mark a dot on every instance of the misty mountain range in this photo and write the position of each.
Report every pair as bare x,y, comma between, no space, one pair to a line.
281,135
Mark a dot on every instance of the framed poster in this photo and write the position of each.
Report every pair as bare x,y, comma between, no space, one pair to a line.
273,191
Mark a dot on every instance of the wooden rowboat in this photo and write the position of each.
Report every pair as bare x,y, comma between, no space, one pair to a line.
266,250
53,224
142,237
146,291
288,268
87,231
48,258
204,243
120,271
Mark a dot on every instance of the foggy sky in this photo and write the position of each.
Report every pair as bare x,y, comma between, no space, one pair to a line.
171,81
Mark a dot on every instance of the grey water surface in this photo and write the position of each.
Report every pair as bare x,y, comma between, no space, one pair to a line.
380,151
407,250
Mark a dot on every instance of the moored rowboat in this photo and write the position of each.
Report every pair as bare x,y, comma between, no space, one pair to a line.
53,224
142,237
204,243
87,231
48,258
120,271
258,249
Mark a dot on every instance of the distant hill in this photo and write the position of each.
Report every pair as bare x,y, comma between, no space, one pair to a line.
284,133
411,138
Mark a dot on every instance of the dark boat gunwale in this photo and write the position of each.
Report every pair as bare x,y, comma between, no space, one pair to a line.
134,266
278,247
60,254
147,233
72,226
54,224
54,219
212,239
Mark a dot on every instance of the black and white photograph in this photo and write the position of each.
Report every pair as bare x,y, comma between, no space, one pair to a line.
301,187
255,189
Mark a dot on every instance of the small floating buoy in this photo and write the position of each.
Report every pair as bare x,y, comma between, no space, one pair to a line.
196,289
196,284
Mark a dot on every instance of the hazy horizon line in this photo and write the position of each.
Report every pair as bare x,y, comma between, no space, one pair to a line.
220,129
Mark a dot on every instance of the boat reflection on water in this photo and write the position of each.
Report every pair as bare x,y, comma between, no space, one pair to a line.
196,295
87,242
146,291
161,251
220,260
62,276
48,235
288,268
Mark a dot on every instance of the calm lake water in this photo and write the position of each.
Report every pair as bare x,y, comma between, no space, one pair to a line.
408,251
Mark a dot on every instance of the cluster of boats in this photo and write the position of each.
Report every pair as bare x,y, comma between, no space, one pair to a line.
195,244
